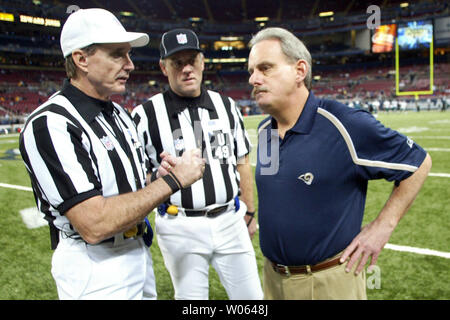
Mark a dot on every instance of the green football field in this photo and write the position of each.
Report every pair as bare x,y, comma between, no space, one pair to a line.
414,265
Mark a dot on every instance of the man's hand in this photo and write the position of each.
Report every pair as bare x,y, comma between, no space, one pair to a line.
167,163
246,186
373,237
252,226
188,168
367,244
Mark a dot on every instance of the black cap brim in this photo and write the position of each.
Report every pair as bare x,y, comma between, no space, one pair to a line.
168,54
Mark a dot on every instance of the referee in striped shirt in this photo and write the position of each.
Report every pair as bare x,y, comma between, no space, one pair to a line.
88,171
205,223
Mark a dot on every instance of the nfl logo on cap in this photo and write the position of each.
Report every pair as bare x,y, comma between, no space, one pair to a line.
177,40
182,38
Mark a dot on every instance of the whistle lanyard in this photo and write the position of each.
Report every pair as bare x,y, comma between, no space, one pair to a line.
193,117
114,122
117,131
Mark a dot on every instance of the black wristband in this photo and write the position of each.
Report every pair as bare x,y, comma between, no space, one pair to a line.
171,182
250,221
153,177
176,179
251,214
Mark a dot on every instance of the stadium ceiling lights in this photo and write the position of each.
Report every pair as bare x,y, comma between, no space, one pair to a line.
226,60
230,38
262,19
404,5
326,14
4,16
127,14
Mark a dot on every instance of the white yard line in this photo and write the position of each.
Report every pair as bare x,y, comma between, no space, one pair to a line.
11,186
431,137
441,175
438,149
423,251
10,135
33,218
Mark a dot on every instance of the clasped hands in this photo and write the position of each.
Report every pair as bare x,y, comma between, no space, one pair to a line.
188,168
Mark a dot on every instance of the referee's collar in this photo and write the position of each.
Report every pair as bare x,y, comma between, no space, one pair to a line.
87,106
177,103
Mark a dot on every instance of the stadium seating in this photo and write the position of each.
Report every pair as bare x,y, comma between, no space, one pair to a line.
22,97
31,68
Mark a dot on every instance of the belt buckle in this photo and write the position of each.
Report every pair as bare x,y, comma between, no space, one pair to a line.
285,268
214,212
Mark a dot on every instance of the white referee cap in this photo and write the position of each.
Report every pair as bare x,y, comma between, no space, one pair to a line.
88,26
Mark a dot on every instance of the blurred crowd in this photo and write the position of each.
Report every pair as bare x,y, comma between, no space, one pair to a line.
22,90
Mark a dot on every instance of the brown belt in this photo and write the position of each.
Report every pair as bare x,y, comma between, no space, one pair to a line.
288,270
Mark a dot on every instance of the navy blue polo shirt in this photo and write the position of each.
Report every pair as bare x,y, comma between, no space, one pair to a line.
312,184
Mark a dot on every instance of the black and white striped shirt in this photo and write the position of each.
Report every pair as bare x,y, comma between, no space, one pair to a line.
76,147
211,122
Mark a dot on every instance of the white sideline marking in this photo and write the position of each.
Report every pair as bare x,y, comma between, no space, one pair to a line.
431,137
444,121
33,218
412,129
427,252
10,135
438,149
11,186
442,175
7,141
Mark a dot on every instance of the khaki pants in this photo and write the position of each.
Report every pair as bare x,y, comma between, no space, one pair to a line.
329,284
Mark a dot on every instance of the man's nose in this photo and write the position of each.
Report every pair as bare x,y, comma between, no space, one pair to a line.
187,67
255,78
129,65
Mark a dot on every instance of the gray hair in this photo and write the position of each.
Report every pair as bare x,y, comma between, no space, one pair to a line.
292,47
69,64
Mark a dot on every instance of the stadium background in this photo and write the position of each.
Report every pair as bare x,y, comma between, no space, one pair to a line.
31,65
344,68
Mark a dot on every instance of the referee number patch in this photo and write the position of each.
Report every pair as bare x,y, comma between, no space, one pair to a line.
220,145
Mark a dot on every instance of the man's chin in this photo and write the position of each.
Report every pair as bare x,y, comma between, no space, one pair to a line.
264,106
119,89
190,91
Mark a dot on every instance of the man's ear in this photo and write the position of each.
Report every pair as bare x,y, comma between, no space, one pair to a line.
80,59
202,61
301,67
162,65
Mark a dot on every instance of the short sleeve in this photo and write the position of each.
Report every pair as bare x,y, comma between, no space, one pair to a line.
58,158
381,152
